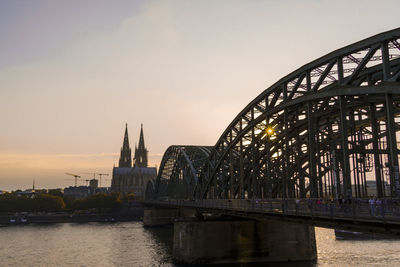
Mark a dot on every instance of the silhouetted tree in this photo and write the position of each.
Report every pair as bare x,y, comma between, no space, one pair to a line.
14,202
99,201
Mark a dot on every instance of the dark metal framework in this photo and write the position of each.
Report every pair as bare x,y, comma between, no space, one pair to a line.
327,129
179,171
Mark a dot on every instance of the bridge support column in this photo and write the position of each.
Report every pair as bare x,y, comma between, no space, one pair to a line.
242,241
163,216
159,216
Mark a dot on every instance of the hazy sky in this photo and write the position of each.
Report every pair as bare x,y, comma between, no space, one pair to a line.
72,73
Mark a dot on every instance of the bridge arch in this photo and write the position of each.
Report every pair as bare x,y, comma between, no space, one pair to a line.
327,129
179,171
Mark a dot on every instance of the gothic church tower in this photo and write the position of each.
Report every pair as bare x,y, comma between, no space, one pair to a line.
141,151
125,160
133,180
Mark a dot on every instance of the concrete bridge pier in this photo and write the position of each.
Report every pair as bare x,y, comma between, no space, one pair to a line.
163,216
159,216
242,241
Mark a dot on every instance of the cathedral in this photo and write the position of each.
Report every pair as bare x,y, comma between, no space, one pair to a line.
131,176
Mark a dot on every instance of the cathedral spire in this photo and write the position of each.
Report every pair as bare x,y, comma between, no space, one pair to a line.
125,160
141,151
126,139
141,138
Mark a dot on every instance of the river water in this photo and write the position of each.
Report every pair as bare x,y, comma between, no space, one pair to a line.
129,244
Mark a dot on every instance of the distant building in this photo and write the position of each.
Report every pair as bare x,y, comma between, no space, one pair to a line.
141,152
31,192
84,191
94,183
134,179
77,191
125,159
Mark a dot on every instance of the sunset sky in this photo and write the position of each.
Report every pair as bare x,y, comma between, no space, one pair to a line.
72,73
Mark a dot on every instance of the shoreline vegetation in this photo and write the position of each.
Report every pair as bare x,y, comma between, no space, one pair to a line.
54,208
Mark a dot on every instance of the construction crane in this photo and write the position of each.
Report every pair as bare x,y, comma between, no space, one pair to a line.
79,182
99,174
76,177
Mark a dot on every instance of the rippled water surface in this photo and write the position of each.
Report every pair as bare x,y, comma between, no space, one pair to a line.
129,244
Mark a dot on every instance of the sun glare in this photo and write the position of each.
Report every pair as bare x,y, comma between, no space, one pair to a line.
270,131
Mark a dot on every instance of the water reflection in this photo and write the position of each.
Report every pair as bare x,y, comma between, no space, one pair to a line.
163,236
129,244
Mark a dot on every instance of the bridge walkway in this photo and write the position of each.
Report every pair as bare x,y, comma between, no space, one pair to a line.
357,216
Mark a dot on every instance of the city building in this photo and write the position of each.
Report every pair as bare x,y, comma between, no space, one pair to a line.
84,191
128,179
94,183
77,191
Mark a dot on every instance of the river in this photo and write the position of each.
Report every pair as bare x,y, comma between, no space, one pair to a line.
129,244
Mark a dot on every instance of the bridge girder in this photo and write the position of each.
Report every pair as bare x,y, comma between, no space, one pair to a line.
334,126
179,172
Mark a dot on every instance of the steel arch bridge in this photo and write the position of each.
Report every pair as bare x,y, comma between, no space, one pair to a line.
327,129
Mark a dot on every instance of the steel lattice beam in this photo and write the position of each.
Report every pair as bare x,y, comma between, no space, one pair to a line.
335,122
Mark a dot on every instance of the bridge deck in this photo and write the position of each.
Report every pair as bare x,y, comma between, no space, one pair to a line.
357,216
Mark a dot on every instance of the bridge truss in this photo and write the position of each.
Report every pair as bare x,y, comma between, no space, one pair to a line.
327,129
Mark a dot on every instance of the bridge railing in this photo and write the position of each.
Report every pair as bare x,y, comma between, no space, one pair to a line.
356,209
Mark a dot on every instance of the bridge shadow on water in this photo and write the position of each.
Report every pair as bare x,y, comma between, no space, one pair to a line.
164,235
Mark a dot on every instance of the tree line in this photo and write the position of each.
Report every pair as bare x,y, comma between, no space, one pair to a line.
55,202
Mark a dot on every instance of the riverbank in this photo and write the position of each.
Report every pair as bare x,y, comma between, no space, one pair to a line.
127,212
